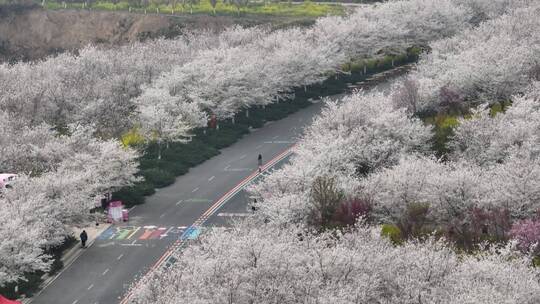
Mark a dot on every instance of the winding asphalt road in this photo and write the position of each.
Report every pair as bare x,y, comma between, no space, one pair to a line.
104,272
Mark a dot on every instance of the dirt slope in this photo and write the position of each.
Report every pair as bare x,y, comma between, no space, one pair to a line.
34,33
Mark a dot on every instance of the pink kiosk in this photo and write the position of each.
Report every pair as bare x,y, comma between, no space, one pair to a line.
116,212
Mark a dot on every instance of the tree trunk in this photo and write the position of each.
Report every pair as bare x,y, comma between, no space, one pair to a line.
159,149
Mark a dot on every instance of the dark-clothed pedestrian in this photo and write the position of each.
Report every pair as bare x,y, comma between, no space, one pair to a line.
84,238
259,162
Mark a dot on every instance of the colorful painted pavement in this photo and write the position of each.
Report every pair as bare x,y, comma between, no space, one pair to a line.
148,233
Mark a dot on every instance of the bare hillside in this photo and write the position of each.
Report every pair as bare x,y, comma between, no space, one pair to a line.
34,33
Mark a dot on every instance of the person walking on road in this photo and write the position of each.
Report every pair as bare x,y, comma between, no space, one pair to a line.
84,238
259,161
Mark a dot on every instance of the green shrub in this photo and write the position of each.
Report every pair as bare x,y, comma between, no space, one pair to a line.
134,195
499,107
175,167
392,232
159,177
444,125
536,261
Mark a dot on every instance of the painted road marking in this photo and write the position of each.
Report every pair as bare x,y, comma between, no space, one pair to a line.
157,233
124,232
258,147
162,215
165,234
226,168
234,214
179,202
279,142
120,256
75,302
211,178
90,287
197,200
107,234
275,137
191,233
146,234
239,169
194,189
133,233
131,245
243,156
139,233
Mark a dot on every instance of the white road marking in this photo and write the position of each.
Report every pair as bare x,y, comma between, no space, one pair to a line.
120,256
211,178
226,168
132,208
106,244
75,302
166,233
234,214
90,287
275,137
258,147
243,156
239,169
162,215
134,241
133,233
279,142
179,202
194,190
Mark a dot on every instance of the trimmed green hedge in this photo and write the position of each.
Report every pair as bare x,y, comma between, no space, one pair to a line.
177,157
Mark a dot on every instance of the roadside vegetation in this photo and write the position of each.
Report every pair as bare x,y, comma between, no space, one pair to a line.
208,7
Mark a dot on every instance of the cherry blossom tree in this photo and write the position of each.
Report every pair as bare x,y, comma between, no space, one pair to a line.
489,63
268,264
361,134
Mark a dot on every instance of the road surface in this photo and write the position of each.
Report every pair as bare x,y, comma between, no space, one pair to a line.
123,253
